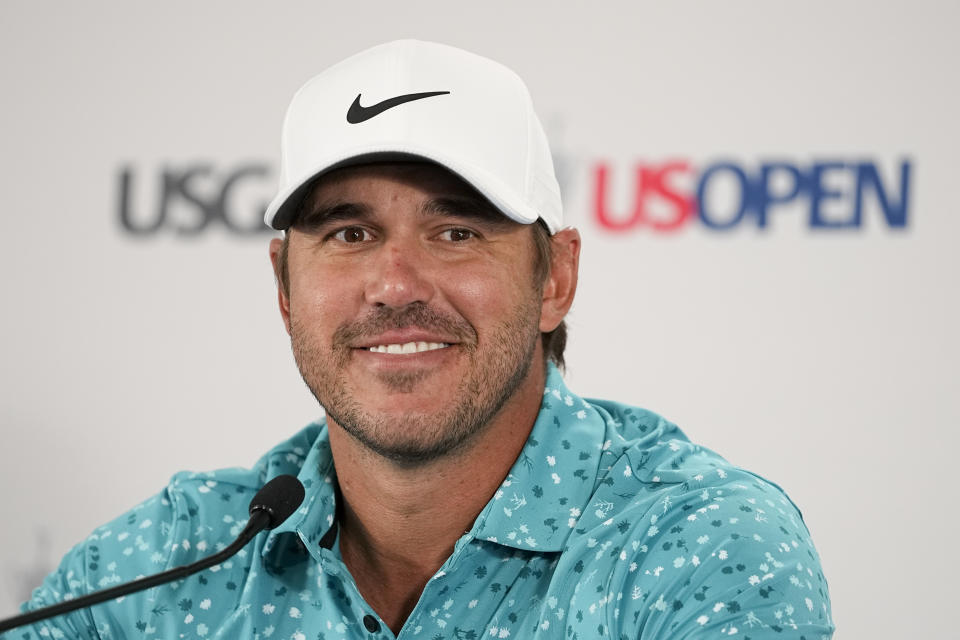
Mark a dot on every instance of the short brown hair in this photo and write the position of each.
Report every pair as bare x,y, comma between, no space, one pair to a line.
554,342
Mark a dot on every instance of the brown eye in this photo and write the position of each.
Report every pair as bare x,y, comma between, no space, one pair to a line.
458,235
351,234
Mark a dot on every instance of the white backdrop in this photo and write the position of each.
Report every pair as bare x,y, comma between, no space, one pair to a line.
823,359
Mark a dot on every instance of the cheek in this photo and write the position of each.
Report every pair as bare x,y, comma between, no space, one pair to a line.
318,301
490,297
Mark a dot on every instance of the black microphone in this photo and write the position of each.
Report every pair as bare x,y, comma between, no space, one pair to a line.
273,504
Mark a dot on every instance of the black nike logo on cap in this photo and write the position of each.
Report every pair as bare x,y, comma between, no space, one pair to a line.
357,113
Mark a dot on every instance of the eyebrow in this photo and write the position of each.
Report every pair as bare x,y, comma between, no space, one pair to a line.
314,219
469,208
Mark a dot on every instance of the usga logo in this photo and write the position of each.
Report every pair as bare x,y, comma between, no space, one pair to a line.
194,198
831,194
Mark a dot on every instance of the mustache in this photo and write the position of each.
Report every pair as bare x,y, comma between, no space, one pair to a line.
417,314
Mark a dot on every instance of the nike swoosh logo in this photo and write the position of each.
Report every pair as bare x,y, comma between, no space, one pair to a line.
357,113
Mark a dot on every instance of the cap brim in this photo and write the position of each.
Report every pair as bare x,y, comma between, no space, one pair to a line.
284,208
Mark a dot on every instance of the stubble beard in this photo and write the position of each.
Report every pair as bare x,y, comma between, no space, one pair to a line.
495,372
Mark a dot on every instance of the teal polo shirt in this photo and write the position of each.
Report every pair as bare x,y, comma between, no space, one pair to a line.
610,524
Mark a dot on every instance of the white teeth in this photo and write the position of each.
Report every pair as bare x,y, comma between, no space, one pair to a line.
408,347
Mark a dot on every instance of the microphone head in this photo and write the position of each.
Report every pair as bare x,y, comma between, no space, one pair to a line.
279,498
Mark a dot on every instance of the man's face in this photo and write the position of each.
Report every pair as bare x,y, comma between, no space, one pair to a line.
413,312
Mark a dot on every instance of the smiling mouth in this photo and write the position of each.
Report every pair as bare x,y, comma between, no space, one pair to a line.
408,347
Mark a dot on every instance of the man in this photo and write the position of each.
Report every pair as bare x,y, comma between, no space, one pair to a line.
456,487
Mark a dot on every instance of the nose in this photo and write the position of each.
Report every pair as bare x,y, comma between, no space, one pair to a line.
399,276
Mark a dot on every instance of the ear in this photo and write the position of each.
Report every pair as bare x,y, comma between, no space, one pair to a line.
561,284
284,302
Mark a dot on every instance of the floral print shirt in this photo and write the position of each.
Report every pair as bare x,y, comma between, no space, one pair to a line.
611,524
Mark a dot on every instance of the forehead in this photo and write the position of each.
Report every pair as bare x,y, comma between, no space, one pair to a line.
369,182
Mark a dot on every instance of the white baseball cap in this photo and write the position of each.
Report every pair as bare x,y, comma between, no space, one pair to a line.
421,100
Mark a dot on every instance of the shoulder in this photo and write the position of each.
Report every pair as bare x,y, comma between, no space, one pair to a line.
200,504
680,542
189,516
221,488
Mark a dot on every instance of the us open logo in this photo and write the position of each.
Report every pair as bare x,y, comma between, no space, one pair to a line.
829,194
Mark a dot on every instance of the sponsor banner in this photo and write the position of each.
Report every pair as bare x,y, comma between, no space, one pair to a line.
659,196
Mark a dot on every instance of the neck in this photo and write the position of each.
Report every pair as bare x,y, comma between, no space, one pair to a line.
399,523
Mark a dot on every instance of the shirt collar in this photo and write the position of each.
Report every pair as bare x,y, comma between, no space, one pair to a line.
553,479
308,528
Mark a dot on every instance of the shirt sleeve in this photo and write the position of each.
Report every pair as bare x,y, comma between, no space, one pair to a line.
733,560
138,543
67,582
